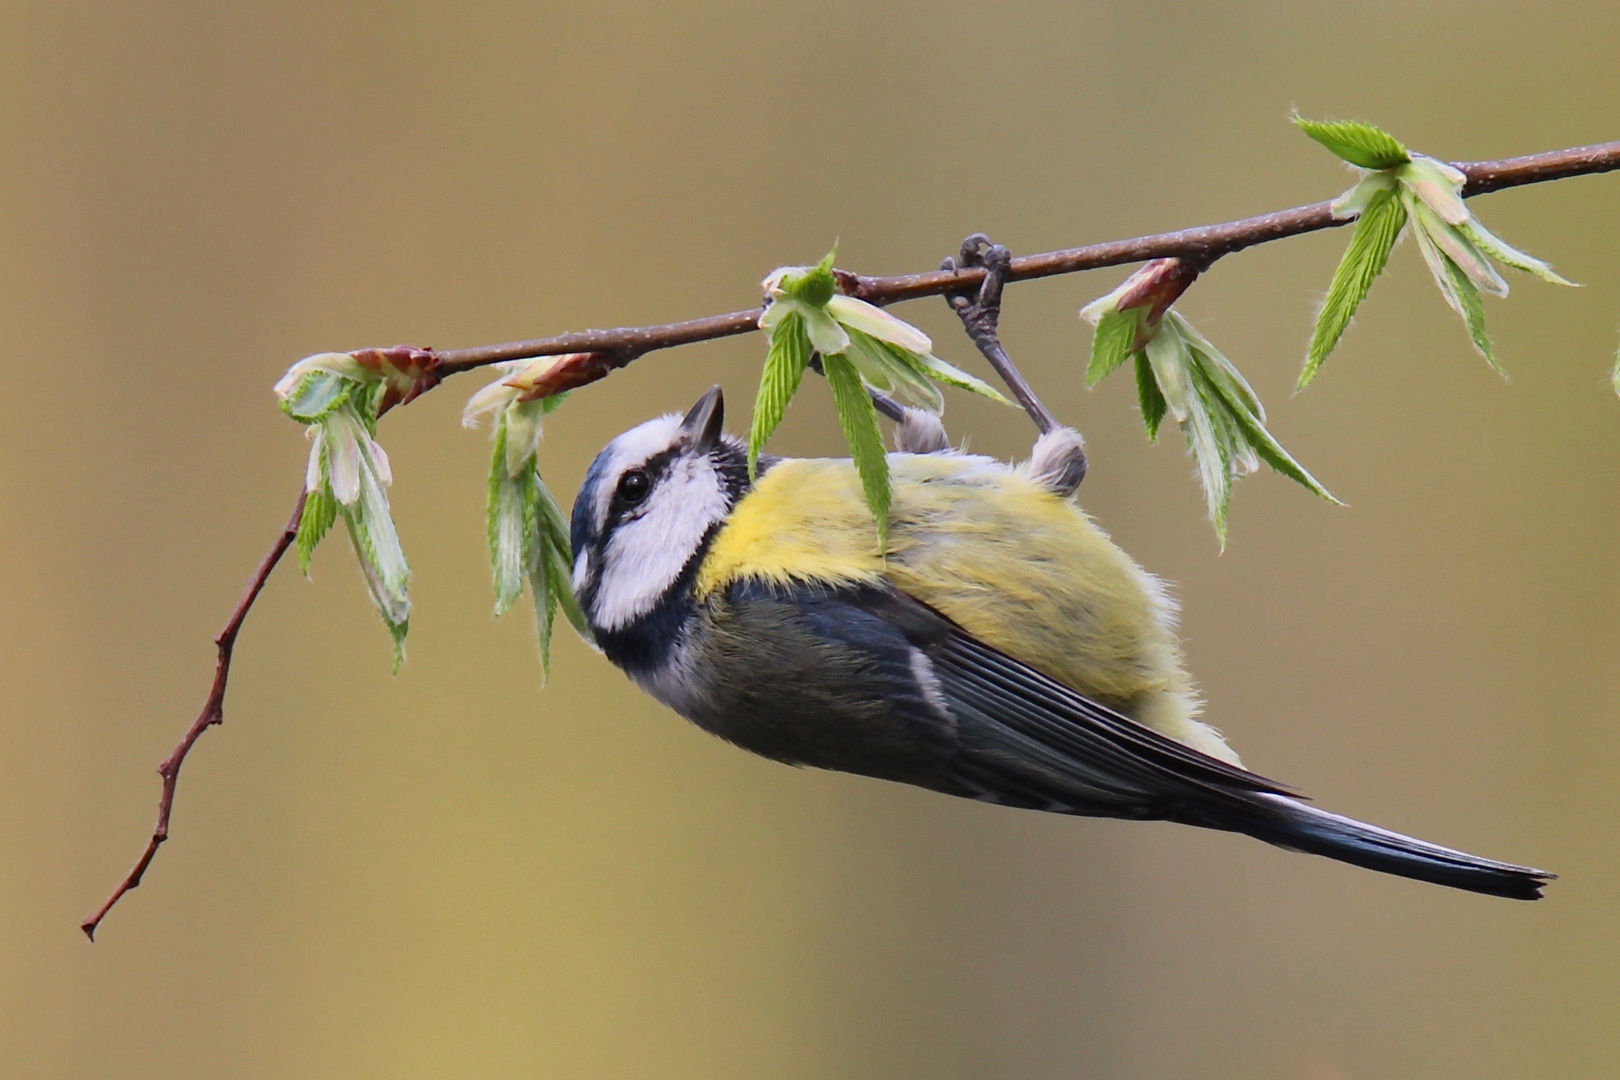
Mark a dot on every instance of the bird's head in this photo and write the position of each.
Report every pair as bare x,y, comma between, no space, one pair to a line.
651,502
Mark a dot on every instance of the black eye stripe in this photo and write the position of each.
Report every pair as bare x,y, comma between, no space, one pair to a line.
656,468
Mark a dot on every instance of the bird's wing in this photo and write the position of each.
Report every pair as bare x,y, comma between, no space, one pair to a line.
1007,732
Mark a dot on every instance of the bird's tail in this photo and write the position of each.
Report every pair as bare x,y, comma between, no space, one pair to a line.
1298,826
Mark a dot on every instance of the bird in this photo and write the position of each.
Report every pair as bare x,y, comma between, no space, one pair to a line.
1000,647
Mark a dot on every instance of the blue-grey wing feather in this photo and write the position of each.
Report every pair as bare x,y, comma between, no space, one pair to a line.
888,687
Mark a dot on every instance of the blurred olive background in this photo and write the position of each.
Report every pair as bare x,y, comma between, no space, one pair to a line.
457,873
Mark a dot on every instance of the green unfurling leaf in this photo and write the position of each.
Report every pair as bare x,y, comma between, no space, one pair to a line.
886,364
371,534
1182,386
1180,373
1111,343
320,511
858,417
1211,455
816,285
1472,310
1251,425
1457,289
1150,396
557,549
1462,252
316,395
1214,365
1167,353
1362,145
511,523
1364,259
950,375
885,367
1492,245
544,595
789,355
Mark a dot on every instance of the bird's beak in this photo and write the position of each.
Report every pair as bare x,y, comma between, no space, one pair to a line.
701,428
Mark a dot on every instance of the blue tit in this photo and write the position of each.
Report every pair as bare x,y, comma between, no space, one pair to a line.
1001,649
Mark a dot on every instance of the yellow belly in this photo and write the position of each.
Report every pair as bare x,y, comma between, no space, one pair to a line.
1016,566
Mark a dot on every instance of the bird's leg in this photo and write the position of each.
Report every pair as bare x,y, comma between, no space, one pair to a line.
981,314
1059,459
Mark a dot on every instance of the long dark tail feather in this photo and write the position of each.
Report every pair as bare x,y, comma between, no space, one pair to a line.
1298,826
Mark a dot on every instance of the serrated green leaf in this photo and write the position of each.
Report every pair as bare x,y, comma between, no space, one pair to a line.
1151,398
885,367
1214,365
789,355
398,631
1167,352
1209,454
1266,446
390,604
1239,455
1492,245
563,590
1174,369
1362,145
1364,259
366,402
858,418
543,593
1112,343
508,525
557,549
553,523
320,511
1473,313
950,375
1460,250
318,393
1458,291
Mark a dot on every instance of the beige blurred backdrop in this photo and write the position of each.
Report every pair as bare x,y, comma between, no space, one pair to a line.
455,873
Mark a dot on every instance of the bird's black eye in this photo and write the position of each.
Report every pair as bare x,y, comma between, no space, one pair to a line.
634,486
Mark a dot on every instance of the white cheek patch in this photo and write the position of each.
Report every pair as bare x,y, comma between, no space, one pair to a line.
645,555
632,448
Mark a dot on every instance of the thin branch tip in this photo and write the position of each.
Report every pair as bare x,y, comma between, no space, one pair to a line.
212,713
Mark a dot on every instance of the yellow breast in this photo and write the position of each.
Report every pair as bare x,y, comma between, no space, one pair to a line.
1016,566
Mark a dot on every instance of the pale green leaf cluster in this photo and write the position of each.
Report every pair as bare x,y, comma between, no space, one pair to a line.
526,529
1181,375
1402,187
347,477
806,316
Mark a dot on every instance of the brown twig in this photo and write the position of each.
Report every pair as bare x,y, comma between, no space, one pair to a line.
213,712
598,353
1203,245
